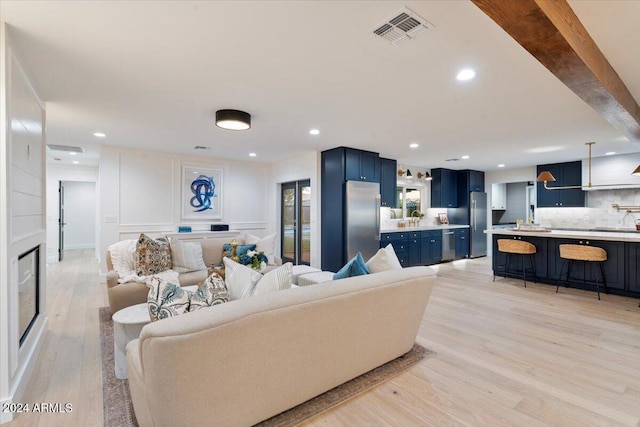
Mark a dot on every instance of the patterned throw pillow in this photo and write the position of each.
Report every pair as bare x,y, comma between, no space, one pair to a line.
212,292
152,256
166,299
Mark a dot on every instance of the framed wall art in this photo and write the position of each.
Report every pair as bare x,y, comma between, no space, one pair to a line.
201,193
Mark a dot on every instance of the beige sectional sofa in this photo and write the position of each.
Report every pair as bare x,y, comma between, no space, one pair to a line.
123,295
244,361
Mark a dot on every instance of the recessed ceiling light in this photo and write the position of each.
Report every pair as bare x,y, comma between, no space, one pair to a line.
609,153
252,154
99,134
314,132
465,157
72,153
75,162
466,74
501,165
414,145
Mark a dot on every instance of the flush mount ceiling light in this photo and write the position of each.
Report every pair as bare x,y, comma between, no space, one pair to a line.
546,176
466,74
233,119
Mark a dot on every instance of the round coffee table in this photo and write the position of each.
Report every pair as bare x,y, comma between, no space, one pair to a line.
127,324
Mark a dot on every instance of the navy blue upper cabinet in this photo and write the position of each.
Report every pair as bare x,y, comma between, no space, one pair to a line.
566,174
444,188
362,165
476,180
388,174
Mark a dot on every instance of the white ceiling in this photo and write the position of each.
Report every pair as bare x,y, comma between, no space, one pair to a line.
151,74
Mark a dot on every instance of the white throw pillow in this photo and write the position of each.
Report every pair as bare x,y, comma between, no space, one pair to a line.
263,244
186,256
123,255
243,282
385,259
275,280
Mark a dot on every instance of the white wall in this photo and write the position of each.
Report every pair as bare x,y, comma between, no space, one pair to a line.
140,191
303,167
55,174
79,215
22,219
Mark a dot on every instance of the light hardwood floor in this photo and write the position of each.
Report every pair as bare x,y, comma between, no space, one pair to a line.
506,355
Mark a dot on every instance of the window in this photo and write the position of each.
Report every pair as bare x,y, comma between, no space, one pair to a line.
409,200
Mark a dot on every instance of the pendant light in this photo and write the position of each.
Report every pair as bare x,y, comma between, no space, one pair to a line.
546,176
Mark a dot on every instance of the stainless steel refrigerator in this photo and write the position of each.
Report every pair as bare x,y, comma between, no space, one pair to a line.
362,218
477,224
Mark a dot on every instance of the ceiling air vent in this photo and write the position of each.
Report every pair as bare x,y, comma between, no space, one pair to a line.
66,148
201,147
402,26
452,160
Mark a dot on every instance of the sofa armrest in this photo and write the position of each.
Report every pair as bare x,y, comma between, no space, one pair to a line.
277,260
112,278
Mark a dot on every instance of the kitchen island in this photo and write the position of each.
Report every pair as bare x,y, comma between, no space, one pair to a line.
621,269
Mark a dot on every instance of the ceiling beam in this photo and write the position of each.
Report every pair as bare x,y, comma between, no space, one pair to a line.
553,34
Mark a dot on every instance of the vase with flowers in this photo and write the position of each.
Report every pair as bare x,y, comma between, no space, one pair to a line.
254,259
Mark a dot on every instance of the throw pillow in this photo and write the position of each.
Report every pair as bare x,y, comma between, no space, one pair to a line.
240,280
275,280
355,267
385,259
123,257
152,256
166,299
213,291
243,282
186,256
267,245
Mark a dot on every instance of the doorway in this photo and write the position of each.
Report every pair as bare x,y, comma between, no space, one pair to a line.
295,232
76,216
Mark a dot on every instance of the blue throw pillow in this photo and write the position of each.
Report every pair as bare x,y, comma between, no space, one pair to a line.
355,267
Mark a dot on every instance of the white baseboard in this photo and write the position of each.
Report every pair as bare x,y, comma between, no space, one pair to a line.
84,246
24,375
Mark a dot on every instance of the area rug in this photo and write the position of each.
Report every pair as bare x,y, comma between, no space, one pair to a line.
118,409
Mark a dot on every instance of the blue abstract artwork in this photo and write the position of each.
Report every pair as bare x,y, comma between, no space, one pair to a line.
201,193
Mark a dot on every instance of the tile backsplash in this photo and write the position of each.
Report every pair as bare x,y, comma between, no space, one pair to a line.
599,212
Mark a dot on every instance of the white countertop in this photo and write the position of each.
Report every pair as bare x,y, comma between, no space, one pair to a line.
616,236
421,228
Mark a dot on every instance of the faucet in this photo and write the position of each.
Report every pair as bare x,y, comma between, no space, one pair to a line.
415,220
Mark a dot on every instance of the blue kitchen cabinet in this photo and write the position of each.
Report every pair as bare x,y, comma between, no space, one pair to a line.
444,188
566,174
388,182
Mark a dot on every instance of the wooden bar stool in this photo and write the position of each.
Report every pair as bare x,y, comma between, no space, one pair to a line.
523,249
588,255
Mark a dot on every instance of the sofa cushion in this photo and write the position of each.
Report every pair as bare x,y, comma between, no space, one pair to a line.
166,299
355,267
186,256
266,245
152,256
123,257
213,291
385,259
243,282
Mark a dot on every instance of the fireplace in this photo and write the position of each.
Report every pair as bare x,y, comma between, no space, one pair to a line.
28,290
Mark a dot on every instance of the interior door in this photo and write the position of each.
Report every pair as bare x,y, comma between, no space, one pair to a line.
295,233
61,222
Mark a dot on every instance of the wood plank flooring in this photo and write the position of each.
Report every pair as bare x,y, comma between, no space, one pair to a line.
507,356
